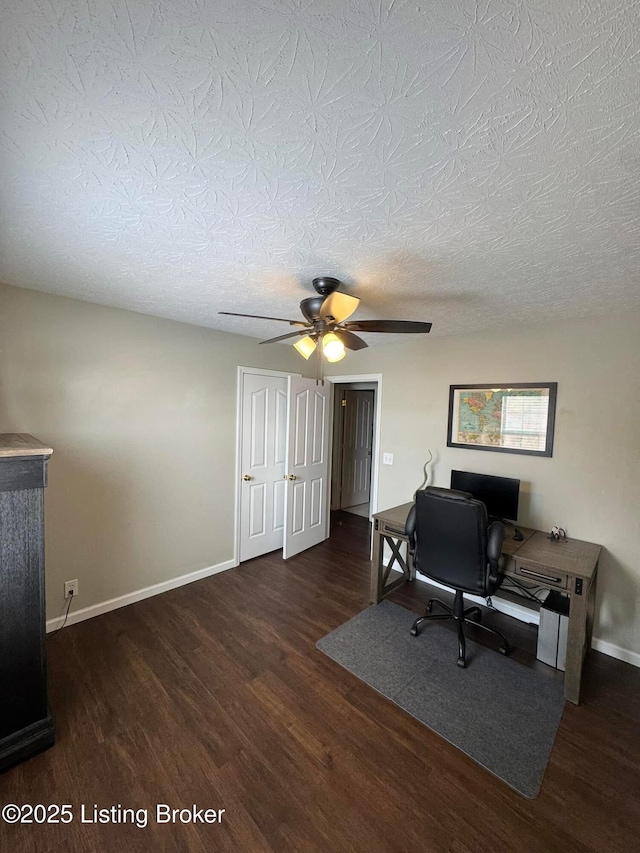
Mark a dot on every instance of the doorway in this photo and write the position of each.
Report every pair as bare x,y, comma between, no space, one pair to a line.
356,414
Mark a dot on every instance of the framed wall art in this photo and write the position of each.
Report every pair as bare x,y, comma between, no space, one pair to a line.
515,418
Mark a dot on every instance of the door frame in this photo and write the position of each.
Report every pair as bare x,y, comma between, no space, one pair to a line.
377,420
241,373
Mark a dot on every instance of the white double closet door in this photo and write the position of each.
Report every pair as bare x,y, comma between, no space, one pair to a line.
284,462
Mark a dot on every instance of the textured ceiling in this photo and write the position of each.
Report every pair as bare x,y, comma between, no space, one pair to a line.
468,163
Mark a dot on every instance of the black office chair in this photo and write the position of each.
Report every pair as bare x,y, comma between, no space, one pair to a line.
452,544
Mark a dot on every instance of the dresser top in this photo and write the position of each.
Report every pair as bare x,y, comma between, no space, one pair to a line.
22,444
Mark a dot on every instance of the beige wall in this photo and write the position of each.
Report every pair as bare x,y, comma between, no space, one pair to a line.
141,414
591,485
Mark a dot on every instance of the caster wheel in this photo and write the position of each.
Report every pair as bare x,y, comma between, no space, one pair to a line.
504,650
462,663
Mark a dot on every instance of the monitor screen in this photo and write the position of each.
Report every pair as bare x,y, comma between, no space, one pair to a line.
499,494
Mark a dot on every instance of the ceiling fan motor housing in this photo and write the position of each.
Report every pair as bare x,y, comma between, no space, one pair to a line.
311,307
325,285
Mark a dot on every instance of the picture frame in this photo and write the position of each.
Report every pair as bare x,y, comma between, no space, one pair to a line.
515,417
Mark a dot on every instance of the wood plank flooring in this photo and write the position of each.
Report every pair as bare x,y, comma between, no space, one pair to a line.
215,695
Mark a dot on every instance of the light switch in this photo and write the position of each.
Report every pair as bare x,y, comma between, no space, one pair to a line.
387,458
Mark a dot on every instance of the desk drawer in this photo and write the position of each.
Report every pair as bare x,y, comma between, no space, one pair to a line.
396,531
536,572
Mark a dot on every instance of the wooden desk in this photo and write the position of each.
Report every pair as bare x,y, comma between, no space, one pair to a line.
570,566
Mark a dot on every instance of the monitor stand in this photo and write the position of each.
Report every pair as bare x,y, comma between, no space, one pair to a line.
517,534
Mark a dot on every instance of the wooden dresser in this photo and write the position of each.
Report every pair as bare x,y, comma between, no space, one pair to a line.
26,726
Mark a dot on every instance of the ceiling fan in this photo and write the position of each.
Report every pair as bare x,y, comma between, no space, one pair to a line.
324,321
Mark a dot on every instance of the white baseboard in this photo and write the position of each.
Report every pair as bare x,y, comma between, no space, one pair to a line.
524,614
138,595
615,651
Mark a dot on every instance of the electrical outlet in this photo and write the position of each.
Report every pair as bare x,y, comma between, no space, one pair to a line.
71,589
387,458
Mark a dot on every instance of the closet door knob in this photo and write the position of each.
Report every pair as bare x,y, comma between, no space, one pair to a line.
247,477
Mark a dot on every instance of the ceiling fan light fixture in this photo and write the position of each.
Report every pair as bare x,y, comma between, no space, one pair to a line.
306,346
332,347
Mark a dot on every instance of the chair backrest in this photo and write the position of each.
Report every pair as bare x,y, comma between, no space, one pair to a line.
452,542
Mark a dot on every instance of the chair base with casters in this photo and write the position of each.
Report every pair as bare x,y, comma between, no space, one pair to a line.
461,616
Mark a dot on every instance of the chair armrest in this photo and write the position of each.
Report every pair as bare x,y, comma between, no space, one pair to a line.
410,528
495,535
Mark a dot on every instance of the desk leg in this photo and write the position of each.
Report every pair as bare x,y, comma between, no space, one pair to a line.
591,605
576,640
380,583
376,569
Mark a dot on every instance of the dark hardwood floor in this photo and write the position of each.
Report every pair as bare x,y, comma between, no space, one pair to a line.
215,695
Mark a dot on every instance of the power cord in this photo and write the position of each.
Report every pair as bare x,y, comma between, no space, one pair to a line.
66,615
523,590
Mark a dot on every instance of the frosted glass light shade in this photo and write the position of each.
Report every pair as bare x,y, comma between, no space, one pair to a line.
305,346
332,347
335,358
339,306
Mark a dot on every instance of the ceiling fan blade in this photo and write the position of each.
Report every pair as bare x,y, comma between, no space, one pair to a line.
261,317
350,340
339,306
304,331
402,327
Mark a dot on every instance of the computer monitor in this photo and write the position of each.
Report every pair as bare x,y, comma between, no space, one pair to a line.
499,494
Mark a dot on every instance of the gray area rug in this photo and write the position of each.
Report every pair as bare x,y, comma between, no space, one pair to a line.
502,714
